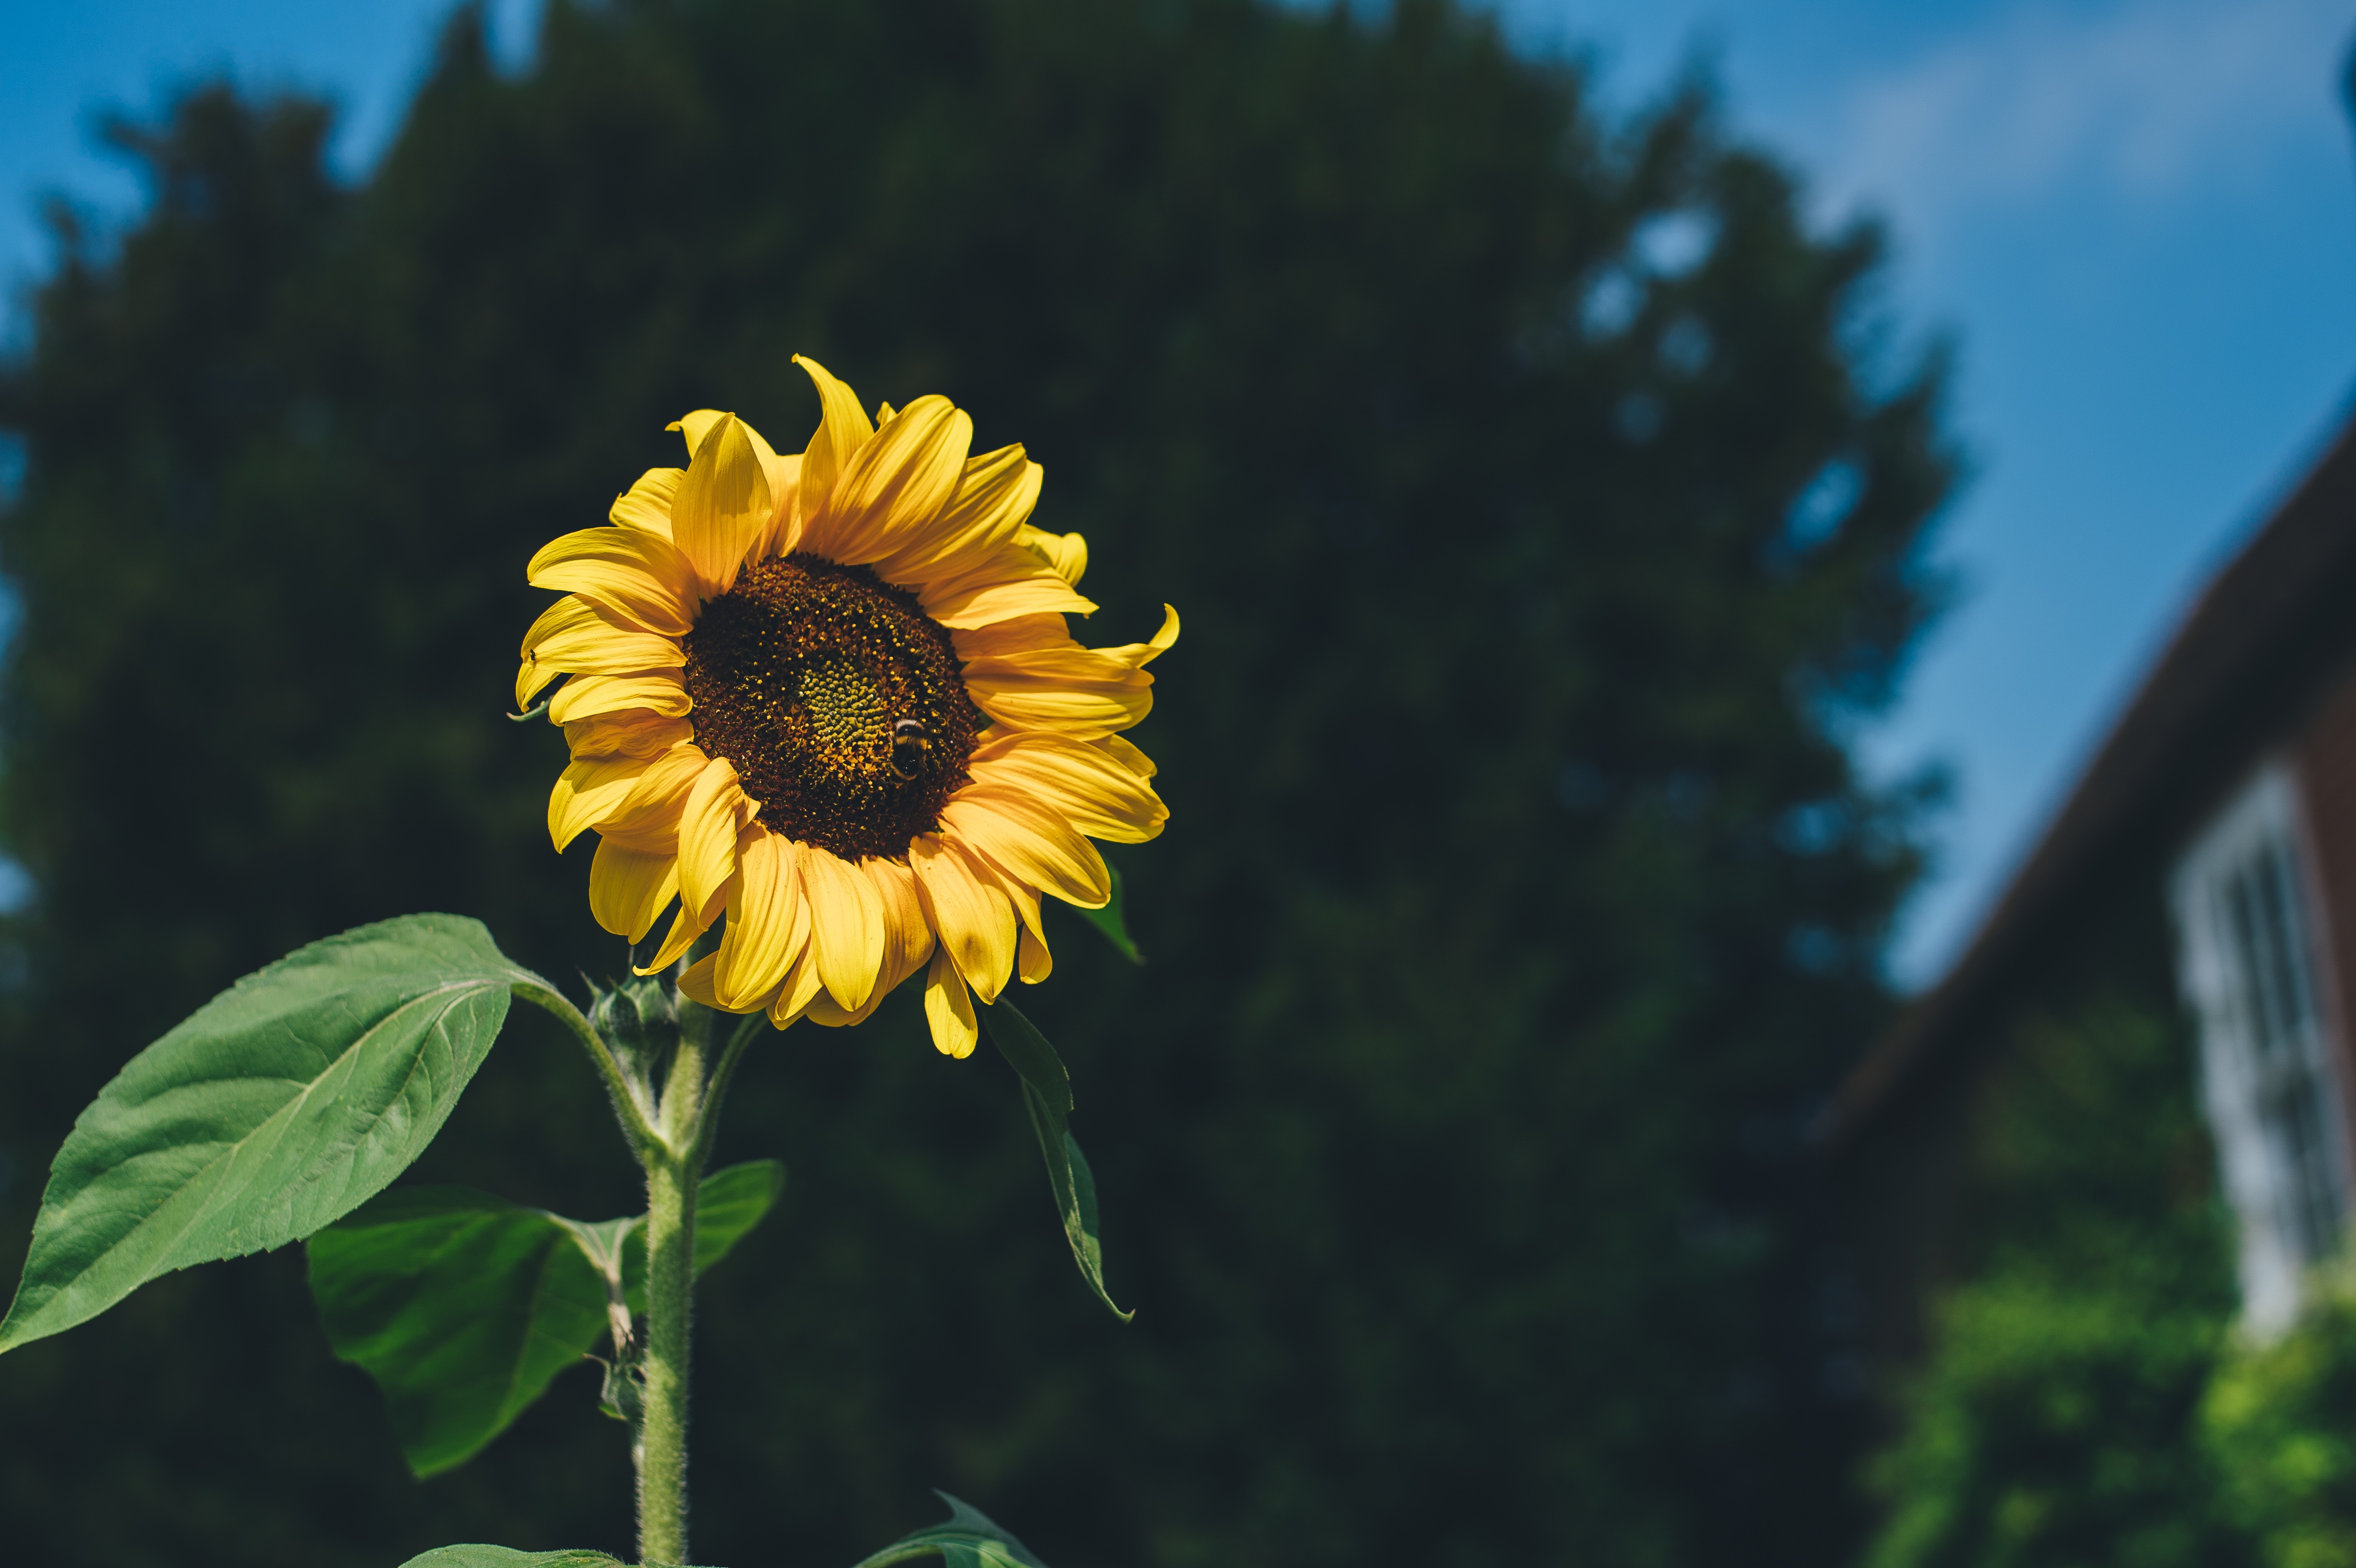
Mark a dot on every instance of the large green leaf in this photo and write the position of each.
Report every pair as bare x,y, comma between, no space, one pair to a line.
463,1306
966,1539
1047,1094
286,1102
508,1557
1112,920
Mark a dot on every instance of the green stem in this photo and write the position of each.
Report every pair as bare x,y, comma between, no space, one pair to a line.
673,1169
662,1430
721,1077
629,1098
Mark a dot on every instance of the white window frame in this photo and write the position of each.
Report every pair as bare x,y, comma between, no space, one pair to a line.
2270,1075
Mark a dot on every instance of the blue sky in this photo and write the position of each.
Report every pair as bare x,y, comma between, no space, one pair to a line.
2137,218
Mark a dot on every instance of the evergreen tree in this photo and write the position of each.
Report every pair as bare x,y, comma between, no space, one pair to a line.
1520,889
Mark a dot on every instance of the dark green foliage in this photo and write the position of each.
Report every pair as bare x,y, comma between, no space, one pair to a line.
2281,1421
1047,1097
465,1306
2059,1423
966,1539
1518,893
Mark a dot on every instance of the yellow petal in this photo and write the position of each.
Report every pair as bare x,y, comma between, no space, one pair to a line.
846,927
842,430
715,813
1093,792
1031,844
695,981
768,922
1085,712
634,732
574,636
636,575
1027,647
646,506
783,474
1126,754
1012,583
784,534
628,889
589,696
892,491
1067,663
995,492
970,916
586,792
1022,634
723,506
947,1010
1137,656
800,992
695,427
1032,962
647,817
1067,553
908,940
823,1011
684,930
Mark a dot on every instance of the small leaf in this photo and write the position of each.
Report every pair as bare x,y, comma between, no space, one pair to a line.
282,1104
728,1204
506,1557
966,1539
463,1308
1113,919
1047,1094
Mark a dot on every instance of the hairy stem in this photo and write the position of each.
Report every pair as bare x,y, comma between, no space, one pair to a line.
673,1172
629,1102
721,1077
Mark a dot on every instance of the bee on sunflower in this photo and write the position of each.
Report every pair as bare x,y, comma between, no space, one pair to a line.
835,698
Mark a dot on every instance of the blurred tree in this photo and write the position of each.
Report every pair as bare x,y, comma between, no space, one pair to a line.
2280,1420
2058,1422
1546,509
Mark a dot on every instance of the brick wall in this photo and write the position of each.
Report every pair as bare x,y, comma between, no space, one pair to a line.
2326,759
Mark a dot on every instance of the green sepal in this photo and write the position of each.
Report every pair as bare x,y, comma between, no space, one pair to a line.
282,1104
966,1539
1112,920
1048,1095
508,1557
463,1306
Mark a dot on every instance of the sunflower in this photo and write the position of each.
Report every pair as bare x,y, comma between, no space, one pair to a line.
834,698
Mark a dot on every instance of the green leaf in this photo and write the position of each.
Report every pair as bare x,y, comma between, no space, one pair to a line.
284,1103
966,1539
728,1204
1113,919
463,1306
508,1557
1047,1094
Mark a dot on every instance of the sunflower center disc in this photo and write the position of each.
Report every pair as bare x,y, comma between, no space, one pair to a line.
837,699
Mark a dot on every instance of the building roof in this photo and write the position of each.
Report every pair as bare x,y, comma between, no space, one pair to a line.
2250,653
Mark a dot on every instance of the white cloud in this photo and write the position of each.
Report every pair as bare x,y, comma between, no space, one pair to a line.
2142,98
